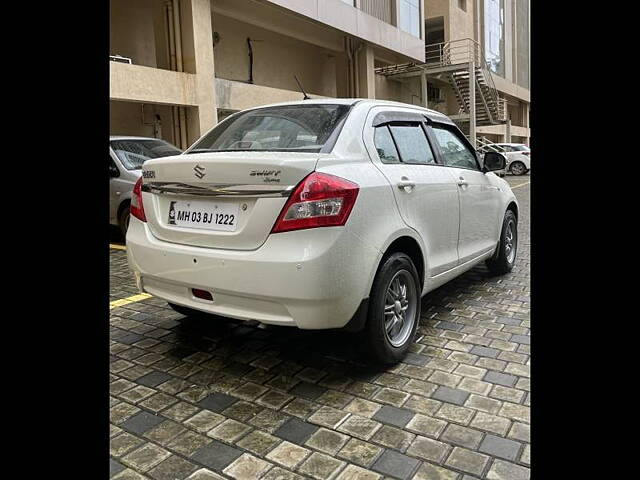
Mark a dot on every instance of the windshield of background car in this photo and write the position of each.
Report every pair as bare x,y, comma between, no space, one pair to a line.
521,148
298,128
133,153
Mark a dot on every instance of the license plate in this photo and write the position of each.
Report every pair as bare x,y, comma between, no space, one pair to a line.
204,214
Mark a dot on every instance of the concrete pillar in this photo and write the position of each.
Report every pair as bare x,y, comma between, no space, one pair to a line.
507,136
472,102
197,58
366,75
423,89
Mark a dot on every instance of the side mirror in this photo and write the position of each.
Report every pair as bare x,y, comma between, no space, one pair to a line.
494,161
113,170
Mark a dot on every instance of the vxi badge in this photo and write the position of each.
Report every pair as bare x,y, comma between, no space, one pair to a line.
199,171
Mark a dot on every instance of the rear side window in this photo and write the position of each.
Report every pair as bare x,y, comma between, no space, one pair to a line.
412,144
384,145
301,128
454,152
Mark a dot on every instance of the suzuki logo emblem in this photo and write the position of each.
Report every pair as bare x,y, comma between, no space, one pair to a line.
199,171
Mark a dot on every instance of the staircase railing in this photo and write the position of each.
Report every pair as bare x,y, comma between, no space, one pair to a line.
461,51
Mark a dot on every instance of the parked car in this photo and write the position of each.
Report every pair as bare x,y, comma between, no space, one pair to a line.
126,156
518,156
388,202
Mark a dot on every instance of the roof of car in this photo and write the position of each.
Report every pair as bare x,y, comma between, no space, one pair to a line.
432,114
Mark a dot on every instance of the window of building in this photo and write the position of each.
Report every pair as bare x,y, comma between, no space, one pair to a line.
462,4
409,20
412,144
494,35
454,152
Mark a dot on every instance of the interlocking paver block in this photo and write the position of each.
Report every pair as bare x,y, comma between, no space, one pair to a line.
247,467
500,447
216,455
353,472
428,449
360,427
141,422
259,442
503,379
217,402
451,395
360,452
204,474
171,468
396,465
393,437
321,466
295,431
428,471
502,470
145,457
288,454
462,436
327,441
398,417
467,461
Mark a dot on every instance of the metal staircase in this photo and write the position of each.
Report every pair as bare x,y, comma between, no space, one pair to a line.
452,62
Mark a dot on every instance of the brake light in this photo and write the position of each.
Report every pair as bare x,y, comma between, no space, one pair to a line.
137,208
319,200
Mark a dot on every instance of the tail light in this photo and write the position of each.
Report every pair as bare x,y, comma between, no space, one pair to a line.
526,153
320,200
137,208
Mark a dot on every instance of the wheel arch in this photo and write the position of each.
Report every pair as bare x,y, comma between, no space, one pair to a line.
409,245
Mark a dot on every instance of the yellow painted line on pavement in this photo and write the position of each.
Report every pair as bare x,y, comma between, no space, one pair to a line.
128,300
521,185
117,247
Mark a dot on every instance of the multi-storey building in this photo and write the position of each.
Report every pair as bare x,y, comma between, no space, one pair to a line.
180,66
476,67
193,62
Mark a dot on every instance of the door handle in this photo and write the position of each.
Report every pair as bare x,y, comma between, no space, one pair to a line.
406,185
462,182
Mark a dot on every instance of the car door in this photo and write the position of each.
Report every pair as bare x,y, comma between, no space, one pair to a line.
479,198
120,185
425,192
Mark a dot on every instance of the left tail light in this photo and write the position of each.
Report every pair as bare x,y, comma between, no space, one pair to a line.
137,208
319,200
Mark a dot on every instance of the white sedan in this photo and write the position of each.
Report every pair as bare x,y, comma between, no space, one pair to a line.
332,213
518,156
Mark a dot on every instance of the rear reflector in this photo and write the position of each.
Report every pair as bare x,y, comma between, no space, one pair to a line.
203,294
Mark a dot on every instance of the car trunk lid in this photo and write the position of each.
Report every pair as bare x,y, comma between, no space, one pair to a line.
227,200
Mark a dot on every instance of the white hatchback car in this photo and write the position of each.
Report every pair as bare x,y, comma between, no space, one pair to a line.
348,213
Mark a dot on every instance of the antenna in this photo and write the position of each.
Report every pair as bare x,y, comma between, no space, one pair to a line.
306,97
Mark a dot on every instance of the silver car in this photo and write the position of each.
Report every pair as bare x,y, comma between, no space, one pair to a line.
126,156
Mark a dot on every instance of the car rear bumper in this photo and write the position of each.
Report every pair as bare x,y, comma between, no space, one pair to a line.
311,279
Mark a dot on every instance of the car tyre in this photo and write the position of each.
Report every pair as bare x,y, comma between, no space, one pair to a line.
123,220
505,256
517,168
394,310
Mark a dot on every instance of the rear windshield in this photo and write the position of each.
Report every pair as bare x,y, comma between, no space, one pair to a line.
132,153
299,128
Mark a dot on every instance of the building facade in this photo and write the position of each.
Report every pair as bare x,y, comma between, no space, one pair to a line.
180,66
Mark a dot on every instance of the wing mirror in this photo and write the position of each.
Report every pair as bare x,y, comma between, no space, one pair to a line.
494,161
113,170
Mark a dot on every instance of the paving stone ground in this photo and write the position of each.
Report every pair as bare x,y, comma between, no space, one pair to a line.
203,400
